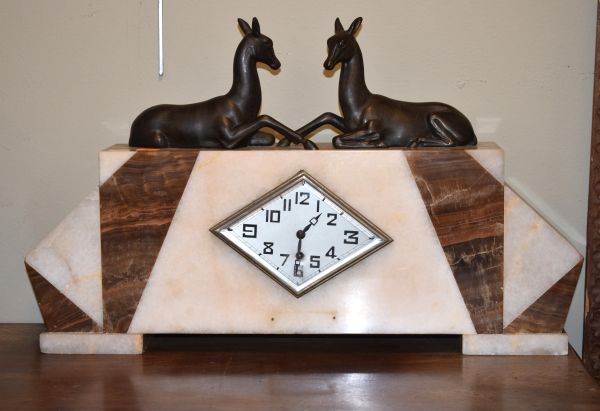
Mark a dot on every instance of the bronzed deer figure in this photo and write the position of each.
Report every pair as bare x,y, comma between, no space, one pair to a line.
372,120
227,121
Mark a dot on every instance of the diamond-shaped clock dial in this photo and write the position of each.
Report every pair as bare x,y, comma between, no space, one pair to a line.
301,234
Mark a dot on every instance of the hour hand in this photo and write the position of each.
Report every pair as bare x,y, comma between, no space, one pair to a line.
313,221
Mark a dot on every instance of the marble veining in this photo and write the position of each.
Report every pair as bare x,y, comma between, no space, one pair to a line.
69,257
407,287
536,256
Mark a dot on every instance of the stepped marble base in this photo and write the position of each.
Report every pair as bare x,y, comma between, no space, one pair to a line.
468,256
91,343
515,344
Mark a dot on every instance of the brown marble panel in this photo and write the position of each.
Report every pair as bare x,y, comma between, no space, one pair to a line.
137,204
59,313
549,312
466,206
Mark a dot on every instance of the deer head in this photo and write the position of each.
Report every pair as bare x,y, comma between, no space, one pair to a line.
342,46
261,45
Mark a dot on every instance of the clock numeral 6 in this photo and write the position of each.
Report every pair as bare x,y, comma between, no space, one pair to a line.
315,261
249,230
272,216
352,237
268,247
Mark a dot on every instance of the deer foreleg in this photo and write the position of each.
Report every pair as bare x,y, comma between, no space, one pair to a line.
239,133
325,118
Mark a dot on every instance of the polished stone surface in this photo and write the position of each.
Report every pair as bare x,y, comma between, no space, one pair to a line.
537,256
69,258
193,283
137,204
407,287
516,344
91,343
466,206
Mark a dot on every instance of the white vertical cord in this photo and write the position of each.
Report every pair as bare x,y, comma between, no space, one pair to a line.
161,62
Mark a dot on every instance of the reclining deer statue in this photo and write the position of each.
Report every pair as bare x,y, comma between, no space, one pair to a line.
227,121
372,120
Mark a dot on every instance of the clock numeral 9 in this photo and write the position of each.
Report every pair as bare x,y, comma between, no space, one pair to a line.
315,261
249,230
352,237
302,198
268,247
272,216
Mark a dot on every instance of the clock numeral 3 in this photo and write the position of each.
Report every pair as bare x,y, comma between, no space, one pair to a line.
249,230
315,261
331,252
302,198
333,218
268,247
352,237
272,216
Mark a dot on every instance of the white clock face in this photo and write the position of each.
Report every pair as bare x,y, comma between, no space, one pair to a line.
301,234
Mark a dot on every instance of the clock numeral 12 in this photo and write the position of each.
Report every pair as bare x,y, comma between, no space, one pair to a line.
302,198
249,230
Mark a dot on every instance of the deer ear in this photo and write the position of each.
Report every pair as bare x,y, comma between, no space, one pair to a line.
244,26
355,26
255,26
338,25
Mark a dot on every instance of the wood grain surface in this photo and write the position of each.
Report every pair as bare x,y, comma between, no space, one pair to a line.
591,327
288,373
466,206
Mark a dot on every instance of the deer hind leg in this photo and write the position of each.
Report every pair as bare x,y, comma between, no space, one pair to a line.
359,139
261,139
448,129
155,139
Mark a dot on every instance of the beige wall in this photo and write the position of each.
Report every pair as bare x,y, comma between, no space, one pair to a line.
75,73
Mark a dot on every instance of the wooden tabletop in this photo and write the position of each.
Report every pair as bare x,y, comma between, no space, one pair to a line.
287,373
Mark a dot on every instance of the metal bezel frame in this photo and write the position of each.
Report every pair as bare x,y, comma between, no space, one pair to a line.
272,194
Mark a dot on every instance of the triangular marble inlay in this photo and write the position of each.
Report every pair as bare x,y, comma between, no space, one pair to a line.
59,313
549,312
137,204
466,206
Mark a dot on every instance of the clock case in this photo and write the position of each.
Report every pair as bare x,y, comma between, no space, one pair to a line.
276,192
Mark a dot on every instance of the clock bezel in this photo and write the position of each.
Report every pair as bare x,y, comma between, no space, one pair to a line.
277,191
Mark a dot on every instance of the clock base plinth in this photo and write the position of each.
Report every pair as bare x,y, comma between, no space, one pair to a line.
515,344
91,343
468,256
